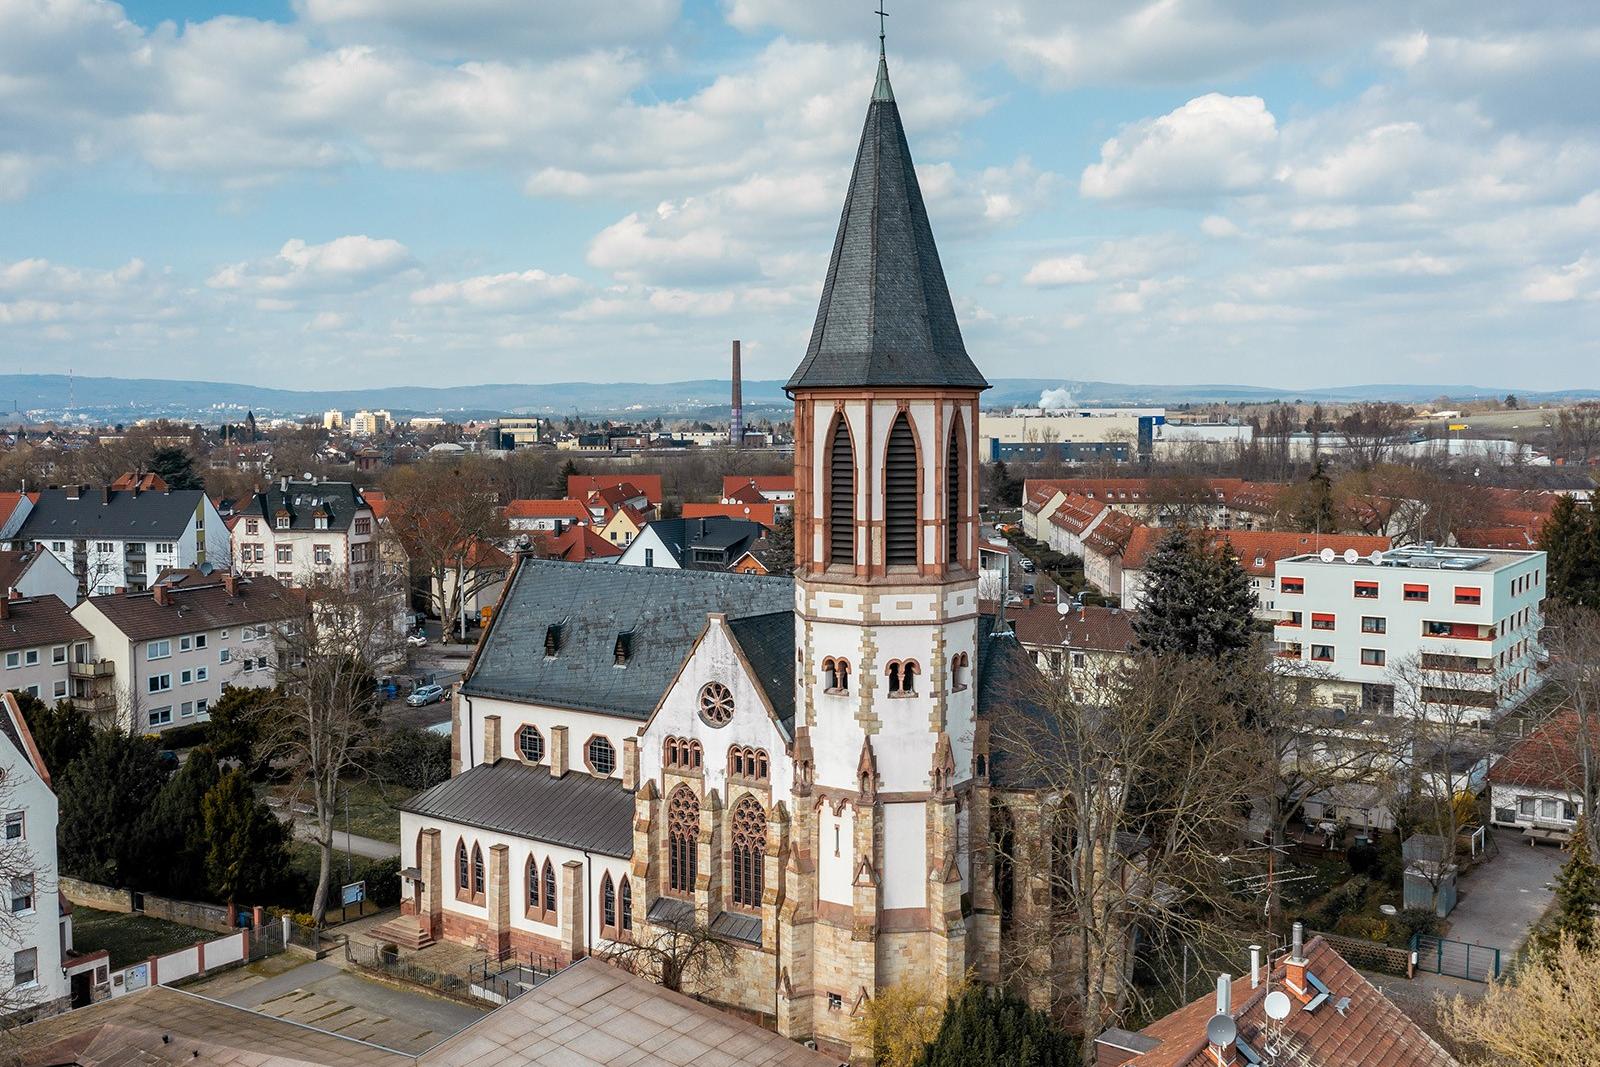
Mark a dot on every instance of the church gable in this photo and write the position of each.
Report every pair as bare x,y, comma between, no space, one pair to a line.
719,718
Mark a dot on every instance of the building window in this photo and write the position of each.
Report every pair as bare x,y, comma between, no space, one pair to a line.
835,675
1292,585
59,689
1366,590
530,744
1374,624
649,557
13,660
363,527
160,716
955,496
25,967
164,548
683,835
1417,593
14,825
201,673
283,520
900,495
154,650
841,494
958,672
477,870
199,641
716,704
748,763
835,1002
902,676
1468,594
1373,657
625,894
224,655
682,754
608,903
463,870
31,657
285,554
601,756
159,683
58,546
58,654
186,677
1322,653
322,555
749,849
22,894
252,527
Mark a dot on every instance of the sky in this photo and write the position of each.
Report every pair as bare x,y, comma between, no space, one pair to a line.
337,193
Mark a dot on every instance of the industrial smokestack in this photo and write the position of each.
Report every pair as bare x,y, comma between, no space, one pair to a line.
736,419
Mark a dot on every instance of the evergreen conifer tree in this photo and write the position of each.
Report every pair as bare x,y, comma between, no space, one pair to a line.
1577,895
1314,513
1197,600
248,845
989,1028
173,833
1571,539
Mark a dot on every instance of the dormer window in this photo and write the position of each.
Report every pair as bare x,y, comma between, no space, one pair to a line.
552,639
283,520
321,522
623,649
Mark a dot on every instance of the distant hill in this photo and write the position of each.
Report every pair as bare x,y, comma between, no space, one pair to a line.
136,397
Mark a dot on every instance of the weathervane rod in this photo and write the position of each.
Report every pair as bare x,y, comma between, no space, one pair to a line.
882,14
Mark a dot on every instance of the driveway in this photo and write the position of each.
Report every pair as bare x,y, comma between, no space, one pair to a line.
1500,901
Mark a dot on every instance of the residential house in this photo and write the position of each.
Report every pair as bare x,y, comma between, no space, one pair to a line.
1459,630
1306,1007
546,516
1071,518
303,531
167,653
1537,786
14,509
774,489
622,525
714,543
34,572
1039,501
1084,644
607,500
580,544
120,538
765,514
1220,503
477,583
40,644
579,486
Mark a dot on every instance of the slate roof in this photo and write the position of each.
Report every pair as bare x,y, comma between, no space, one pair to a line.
197,604
885,318
730,536
510,797
341,500
1005,677
33,622
768,643
665,610
112,514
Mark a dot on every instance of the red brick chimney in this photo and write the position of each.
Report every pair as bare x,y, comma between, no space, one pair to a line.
5,608
161,595
230,583
1294,968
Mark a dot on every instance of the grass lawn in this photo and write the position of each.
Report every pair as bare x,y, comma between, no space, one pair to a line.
372,810
130,938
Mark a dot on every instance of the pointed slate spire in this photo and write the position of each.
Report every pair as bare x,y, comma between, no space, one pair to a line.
886,318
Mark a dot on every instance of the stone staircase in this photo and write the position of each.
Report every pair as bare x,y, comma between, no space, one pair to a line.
406,931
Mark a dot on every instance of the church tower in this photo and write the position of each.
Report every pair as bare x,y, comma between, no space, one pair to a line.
886,598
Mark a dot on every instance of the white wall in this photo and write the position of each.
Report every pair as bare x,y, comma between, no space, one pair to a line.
39,928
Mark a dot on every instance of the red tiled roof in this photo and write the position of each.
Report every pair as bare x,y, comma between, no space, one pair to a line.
378,501
766,514
547,509
1518,537
1110,538
744,494
13,565
9,502
1269,546
1547,758
147,482
1233,492
770,483
481,555
579,486
1076,513
578,544
1087,629
1370,1032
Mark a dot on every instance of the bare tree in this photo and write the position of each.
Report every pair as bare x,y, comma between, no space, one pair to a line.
1138,799
1371,431
324,721
680,953
448,518
1577,432
1572,634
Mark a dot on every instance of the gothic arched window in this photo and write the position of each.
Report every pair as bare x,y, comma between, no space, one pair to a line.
548,881
955,487
626,896
749,848
608,902
683,835
841,494
900,494
463,869
477,870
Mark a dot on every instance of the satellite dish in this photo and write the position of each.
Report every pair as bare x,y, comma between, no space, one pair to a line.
1351,555
1326,555
1063,606
1277,1005
1377,557
1222,1030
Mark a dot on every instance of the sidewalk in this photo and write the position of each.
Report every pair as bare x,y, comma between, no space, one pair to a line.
305,829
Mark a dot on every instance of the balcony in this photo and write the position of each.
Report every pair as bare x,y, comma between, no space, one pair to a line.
99,668
100,704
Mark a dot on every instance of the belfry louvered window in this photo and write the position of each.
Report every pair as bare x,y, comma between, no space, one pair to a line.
900,495
841,495
953,487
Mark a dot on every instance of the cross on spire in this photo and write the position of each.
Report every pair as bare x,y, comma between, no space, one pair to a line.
882,14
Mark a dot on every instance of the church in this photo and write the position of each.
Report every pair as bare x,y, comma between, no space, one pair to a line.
800,764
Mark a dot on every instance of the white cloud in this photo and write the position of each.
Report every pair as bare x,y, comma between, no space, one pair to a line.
1578,280
1219,226
501,292
494,27
1062,270
330,321
1212,144
345,264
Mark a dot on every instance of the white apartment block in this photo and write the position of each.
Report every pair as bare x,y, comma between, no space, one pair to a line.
300,532
36,936
1455,632
332,420
370,423
167,654
122,538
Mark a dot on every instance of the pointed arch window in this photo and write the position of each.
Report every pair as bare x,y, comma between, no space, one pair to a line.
683,834
608,902
900,495
626,896
749,848
547,879
955,492
841,494
463,868
477,870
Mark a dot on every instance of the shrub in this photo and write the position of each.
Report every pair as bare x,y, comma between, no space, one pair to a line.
414,759
383,881
1363,859
998,1029
1364,927
1413,921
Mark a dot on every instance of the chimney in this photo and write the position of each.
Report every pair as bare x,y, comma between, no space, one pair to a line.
491,739
558,751
160,592
74,492
5,608
1294,968
1222,1032
283,484
13,593
736,416
230,584
1255,966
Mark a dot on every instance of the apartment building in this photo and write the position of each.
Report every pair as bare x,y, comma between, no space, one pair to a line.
34,572
370,423
546,516
39,643
303,531
1454,632
122,538
36,937
166,654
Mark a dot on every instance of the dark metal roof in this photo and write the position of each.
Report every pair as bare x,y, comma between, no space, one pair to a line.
768,643
199,605
338,500
739,926
664,610
886,318
729,536
120,514
576,810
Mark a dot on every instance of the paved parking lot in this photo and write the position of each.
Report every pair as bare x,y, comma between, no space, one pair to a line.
1501,900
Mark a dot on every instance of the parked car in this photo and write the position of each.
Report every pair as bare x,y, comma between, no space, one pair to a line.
1028,565
1027,590
417,640
424,695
